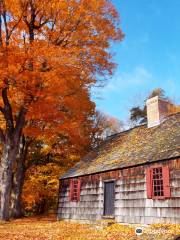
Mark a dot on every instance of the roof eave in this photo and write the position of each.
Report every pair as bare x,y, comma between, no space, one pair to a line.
120,168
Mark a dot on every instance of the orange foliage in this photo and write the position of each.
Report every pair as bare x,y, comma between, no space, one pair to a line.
49,228
51,53
55,51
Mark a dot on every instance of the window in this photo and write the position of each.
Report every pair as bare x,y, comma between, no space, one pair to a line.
157,182
74,193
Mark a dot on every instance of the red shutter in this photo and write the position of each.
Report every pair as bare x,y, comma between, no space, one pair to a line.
79,190
71,189
149,182
166,183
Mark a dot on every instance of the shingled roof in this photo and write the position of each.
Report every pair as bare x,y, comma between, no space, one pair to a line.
132,147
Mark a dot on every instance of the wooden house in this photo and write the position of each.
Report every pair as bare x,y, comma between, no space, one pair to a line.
133,177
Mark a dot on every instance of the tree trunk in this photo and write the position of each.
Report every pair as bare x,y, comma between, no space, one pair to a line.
10,139
18,181
7,160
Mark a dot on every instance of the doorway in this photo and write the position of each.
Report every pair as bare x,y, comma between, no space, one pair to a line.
109,196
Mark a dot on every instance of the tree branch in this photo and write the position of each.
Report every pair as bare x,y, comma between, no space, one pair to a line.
20,116
1,42
6,27
7,110
2,110
37,27
14,27
2,137
20,122
64,41
25,20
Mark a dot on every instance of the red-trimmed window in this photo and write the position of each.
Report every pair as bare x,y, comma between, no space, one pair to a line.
75,188
157,182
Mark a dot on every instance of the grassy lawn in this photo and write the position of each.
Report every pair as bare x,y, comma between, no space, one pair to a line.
49,229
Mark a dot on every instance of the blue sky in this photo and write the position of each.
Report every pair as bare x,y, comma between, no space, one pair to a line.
148,57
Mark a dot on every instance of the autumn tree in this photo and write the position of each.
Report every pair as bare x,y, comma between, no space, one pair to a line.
52,159
104,126
48,158
44,165
49,52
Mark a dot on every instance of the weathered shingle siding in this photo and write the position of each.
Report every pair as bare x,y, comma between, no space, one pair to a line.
131,203
90,206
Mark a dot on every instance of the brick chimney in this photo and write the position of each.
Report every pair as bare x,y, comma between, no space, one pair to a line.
157,110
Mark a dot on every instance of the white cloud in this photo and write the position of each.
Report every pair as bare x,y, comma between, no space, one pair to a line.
138,77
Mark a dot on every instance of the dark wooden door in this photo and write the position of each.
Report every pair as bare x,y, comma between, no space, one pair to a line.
109,198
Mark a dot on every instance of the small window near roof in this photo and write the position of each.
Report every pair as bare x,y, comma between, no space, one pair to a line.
157,182
74,193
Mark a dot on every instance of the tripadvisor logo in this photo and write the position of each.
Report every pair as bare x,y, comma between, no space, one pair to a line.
139,231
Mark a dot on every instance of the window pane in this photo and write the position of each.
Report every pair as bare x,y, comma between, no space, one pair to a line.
157,181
